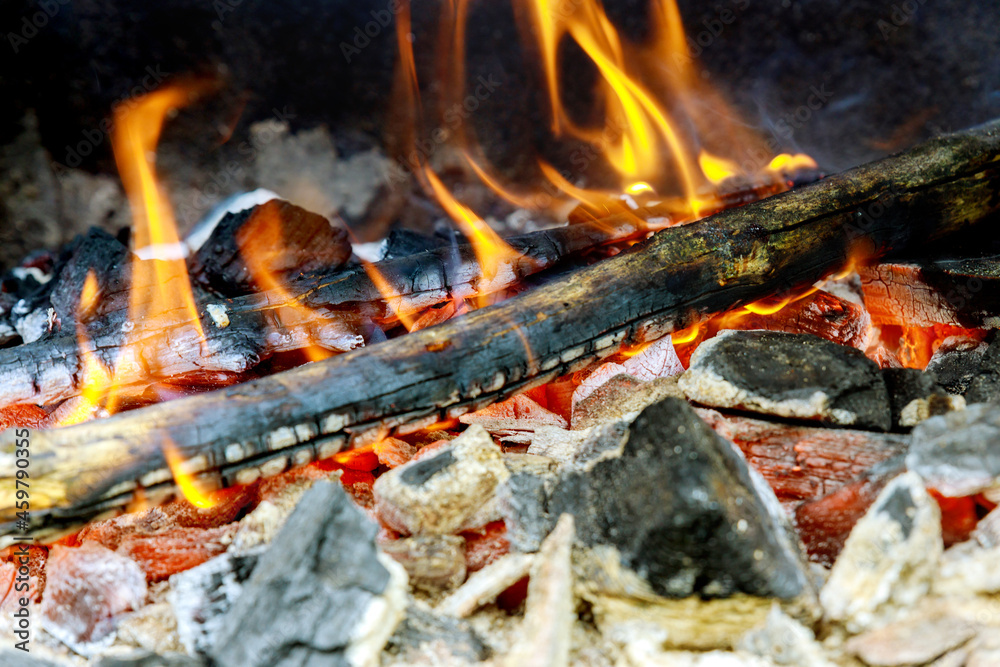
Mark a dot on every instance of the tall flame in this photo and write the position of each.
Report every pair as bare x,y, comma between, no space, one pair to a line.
160,286
491,251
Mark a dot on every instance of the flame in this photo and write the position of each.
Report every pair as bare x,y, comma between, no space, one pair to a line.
491,251
136,132
161,303
716,169
655,121
94,377
261,243
785,163
390,294
185,481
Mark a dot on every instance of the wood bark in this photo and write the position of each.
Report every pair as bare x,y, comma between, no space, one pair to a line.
679,276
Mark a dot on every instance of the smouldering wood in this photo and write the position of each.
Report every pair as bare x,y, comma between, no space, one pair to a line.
240,332
679,276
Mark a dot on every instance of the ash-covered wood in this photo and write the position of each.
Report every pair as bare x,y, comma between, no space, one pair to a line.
795,376
680,276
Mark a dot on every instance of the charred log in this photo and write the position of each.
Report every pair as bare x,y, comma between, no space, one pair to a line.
681,275
242,331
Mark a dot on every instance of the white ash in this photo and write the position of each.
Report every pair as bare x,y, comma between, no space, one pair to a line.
889,560
484,586
784,641
546,629
452,490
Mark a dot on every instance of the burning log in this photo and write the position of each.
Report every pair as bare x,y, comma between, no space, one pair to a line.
241,331
678,277
964,293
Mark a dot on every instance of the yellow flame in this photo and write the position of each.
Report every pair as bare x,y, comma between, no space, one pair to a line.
136,132
94,377
715,168
785,163
639,187
185,481
686,335
391,295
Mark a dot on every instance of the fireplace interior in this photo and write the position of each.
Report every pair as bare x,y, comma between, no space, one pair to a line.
541,332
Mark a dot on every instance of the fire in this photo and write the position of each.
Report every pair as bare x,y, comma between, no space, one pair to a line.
716,169
261,242
95,378
160,299
491,251
185,481
655,121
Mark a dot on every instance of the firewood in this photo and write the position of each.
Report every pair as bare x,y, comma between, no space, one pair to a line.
680,276
964,293
242,331
805,462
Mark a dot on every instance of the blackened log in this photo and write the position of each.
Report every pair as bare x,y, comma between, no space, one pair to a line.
680,276
242,331
250,250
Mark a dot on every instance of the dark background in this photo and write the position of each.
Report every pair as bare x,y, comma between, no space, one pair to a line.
891,72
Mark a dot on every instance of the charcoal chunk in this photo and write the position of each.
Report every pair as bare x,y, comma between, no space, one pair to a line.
684,511
915,395
985,385
271,242
959,453
149,659
955,363
320,590
405,242
889,560
104,256
798,376
454,489
422,627
201,597
10,657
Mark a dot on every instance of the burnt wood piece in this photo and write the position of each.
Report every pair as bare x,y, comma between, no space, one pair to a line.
251,250
805,462
959,292
242,331
678,277
821,314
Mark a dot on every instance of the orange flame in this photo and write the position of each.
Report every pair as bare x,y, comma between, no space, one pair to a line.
261,242
491,251
161,305
186,482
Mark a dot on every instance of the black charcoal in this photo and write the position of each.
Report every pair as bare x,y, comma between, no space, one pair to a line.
319,591
797,376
